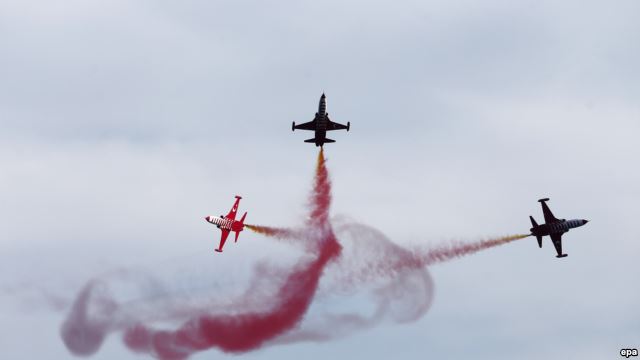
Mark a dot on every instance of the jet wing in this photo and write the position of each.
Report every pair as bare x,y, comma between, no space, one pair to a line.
557,243
232,213
223,239
311,125
548,215
335,126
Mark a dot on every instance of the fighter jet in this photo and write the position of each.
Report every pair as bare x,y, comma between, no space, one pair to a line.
320,124
228,223
553,227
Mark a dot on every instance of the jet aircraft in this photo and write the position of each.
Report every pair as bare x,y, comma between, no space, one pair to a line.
228,223
553,227
320,124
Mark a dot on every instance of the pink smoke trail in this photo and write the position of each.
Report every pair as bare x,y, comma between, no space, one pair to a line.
450,251
401,289
230,333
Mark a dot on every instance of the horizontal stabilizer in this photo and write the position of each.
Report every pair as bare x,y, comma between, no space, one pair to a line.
322,141
539,241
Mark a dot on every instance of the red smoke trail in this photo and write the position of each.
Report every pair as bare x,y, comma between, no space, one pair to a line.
321,196
243,332
401,289
84,336
229,333
399,293
320,202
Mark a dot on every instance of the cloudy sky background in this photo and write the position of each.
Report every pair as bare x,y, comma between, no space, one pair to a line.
123,123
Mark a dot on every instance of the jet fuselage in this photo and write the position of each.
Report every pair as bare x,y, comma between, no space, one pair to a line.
321,121
224,223
553,227
560,227
322,106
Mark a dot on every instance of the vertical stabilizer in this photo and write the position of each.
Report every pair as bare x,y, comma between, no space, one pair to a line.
534,225
241,225
533,221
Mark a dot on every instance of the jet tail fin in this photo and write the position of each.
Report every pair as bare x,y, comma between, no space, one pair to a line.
242,226
535,224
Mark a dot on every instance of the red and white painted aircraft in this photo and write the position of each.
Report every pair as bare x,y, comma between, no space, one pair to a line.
228,223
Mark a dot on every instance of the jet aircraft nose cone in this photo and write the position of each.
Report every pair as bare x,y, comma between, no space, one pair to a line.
585,221
207,218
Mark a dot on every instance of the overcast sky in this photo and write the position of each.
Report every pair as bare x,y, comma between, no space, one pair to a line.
124,123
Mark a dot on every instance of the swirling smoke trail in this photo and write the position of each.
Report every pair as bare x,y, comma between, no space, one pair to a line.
399,284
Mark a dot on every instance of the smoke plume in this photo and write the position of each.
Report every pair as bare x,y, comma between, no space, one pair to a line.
271,310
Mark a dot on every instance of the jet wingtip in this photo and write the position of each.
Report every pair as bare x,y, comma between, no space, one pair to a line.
543,200
561,256
218,250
